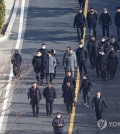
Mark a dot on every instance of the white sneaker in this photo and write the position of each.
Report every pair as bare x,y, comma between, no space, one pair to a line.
87,105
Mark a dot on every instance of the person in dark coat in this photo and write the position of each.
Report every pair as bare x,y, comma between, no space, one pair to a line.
58,123
112,62
98,103
85,87
69,77
92,50
92,21
37,63
105,21
103,61
114,44
68,96
34,96
79,23
49,94
16,60
49,64
82,3
53,52
117,22
81,54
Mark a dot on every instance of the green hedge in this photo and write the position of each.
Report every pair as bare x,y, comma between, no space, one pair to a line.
2,14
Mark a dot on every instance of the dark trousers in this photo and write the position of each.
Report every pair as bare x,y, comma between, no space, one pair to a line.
103,74
82,64
47,77
40,76
16,70
54,75
80,31
86,97
35,108
105,31
49,107
98,69
118,33
112,73
69,106
92,31
98,115
81,3
92,61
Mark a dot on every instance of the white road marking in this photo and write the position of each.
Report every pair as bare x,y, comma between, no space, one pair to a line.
11,72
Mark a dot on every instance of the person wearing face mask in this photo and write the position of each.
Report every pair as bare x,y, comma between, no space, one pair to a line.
105,21
85,87
82,3
103,62
37,63
112,62
92,50
102,44
98,103
43,49
58,123
79,23
70,62
117,22
81,54
114,44
68,96
92,21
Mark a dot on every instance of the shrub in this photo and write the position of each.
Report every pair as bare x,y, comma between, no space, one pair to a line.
2,14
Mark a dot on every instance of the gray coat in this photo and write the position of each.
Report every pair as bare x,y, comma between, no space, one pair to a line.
49,64
70,62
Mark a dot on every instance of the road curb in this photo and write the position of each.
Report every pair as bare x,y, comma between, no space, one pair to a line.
11,21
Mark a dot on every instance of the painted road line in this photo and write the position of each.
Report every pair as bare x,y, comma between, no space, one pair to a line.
11,72
72,118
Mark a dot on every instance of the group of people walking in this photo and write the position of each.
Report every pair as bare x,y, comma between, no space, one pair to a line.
102,56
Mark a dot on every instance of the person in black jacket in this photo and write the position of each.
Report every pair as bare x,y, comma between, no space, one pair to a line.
114,44
58,123
34,96
92,21
37,63
97,104
68,96
82,3
112,62
92,50
69,77
81,55
79,23
105,21
117,22
49,94
103,61
16,60
85,87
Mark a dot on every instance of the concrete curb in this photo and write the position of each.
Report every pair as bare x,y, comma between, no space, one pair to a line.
9,27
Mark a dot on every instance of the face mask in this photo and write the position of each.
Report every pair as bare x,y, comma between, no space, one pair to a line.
80,46
105,12
43,47
59,116
103,40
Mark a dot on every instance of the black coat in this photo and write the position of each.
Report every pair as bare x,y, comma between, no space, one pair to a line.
117,19
105,19
115,45
92,19
81,54
56,122
68,94
85,85
71,80
16,59
103,61
37,63
32,97
98,104
49,94
79,20
112,61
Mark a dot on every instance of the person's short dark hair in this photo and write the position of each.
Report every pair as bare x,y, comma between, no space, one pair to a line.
43,44
49,52
117,8
112,37
92,36
58,113
16,51
68,47
91,8
34,82
80,43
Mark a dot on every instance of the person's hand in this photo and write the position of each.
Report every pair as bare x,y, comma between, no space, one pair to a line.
54,99
29,99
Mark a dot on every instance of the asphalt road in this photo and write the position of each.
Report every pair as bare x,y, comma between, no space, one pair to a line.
51,21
